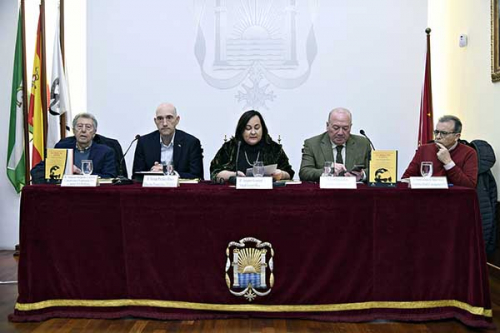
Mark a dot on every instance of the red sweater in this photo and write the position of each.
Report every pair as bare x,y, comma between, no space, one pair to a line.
464,173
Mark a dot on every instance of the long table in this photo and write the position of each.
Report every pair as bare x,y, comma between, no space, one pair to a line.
337,255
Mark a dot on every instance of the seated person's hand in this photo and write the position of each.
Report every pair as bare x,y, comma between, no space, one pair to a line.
339,168
157,167
225,174
443,154
277,175
357,174
76,170
280,175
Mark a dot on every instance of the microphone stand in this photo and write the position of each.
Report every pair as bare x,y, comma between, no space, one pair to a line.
362,132
121,179
232,179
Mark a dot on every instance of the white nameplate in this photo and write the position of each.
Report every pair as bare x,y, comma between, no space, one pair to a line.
338,182
428,183
254,183
160,181
79,181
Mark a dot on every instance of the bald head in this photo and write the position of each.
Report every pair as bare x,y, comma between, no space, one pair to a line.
166,121
169,107
339,125
343,111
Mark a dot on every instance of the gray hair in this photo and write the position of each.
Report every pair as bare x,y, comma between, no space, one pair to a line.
340,110
85,115
456,121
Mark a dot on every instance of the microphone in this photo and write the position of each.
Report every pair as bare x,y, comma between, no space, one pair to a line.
232,179
362,132
121,179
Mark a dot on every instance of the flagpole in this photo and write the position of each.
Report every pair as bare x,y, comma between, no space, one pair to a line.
27,162
428,32
426,123
62,118
43,76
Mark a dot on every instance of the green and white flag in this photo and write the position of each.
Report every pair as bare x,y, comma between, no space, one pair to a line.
15,151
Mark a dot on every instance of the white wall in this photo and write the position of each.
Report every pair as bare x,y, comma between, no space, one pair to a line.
9,202
461,76
370,59
75,28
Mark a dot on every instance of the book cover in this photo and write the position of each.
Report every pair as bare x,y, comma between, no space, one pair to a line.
383,168
58,162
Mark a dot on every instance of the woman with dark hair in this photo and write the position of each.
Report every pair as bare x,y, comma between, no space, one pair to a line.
256,145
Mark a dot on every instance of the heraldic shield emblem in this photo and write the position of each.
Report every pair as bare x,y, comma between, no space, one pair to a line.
256,46
249,268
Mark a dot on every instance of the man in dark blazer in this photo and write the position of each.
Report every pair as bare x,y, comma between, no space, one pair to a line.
169,145
102,156
337,145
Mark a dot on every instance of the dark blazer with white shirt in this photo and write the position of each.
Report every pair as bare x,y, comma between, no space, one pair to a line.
188,155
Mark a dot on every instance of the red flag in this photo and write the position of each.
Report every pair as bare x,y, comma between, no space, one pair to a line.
35,117
426,123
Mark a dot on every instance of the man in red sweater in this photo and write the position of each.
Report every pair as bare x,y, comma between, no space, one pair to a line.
450,158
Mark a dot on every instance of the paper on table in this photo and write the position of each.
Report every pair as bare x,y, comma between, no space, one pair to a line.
151,173
268,170
189,181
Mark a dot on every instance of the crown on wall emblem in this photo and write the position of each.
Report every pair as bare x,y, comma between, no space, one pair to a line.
249,268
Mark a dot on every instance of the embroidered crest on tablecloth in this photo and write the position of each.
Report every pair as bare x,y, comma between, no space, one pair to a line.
249,268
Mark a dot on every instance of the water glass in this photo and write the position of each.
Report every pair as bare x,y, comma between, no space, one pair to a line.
168,169
328,169
426,169
87,167
258,169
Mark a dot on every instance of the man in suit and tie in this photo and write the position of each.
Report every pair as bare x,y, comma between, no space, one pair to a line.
336,145
169,145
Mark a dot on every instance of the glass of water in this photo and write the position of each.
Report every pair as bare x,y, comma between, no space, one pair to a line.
426,169
87,167
168,169
258,169
328,169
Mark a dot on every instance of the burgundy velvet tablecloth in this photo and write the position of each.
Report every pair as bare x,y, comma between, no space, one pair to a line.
339,255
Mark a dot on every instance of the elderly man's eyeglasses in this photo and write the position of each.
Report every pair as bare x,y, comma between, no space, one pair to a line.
443,133
88,127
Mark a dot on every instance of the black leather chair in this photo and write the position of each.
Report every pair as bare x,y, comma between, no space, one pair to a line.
121,167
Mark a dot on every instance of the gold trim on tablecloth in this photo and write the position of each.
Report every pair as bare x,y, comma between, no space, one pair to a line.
475,310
